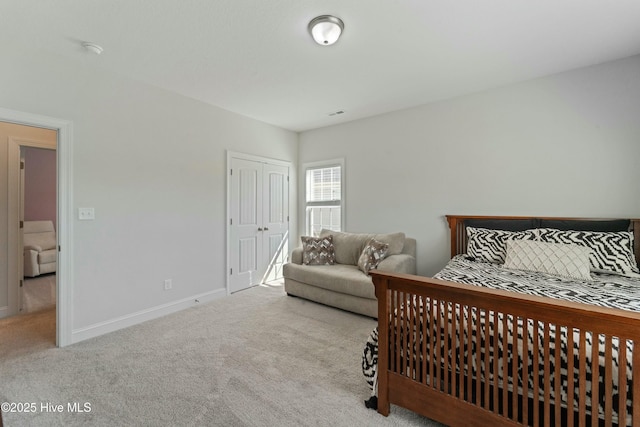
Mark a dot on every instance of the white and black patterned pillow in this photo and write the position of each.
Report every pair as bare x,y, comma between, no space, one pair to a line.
611,252
488,245
373,252
318,250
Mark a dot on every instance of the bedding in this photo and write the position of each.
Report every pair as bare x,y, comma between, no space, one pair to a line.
611,252
553,258
491,245
605,290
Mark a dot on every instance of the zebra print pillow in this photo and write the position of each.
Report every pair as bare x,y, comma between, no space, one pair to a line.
487,245
611,252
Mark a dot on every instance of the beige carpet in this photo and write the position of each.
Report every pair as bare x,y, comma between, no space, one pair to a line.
256,358
27,334
38,293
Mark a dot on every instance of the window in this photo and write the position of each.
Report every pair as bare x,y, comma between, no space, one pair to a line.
324,192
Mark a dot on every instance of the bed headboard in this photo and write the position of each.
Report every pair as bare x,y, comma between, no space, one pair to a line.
458,226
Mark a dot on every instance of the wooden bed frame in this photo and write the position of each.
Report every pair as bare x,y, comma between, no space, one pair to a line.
448,396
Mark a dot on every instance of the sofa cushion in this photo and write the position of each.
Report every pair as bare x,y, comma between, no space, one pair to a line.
346,279
40,241
318,250
373,252
394,240
347,246
38,227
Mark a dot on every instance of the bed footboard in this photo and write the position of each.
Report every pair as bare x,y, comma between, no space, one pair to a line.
465,355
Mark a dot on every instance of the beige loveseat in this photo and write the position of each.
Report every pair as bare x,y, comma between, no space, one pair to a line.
40,254
343,284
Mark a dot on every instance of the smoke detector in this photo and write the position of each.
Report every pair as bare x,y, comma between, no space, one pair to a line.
92,48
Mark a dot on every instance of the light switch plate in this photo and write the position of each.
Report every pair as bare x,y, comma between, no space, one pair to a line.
85,214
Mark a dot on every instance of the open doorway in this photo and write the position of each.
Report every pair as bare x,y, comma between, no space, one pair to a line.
20,185
64,231
39,224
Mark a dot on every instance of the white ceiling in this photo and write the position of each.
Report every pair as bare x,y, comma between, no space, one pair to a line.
256,58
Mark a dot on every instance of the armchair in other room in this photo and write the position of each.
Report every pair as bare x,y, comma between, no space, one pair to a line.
39,241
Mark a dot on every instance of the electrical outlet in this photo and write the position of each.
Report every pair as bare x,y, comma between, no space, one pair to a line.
168,284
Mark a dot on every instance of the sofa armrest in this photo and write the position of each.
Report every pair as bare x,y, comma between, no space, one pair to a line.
31,267
36,248
296,256
401,263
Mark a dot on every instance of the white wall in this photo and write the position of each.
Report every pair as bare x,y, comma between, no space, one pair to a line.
152,164
565,145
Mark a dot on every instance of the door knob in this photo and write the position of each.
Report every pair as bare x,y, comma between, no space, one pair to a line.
259,228
266,229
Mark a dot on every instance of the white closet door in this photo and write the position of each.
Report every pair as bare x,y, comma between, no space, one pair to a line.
258,223
246,218
275,220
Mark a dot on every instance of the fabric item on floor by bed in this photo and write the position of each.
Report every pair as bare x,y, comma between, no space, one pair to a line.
604,290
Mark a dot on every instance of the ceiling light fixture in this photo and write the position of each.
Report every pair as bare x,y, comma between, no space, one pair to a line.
326,29
92,47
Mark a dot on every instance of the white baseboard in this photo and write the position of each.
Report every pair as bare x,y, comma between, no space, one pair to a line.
121,322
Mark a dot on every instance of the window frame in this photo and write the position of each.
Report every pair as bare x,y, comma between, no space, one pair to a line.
306,167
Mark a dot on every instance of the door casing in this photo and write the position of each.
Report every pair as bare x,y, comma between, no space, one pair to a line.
266,240
64,275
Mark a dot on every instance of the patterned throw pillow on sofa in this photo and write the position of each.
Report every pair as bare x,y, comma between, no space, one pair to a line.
318,250
373,252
